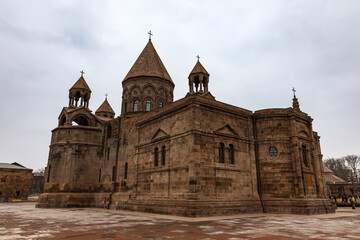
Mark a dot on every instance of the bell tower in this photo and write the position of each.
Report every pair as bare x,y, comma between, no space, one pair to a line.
198,79
79,93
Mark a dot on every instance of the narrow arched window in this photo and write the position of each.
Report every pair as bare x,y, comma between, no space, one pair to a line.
125,107
107,154
161,104
221,153
163,155
48,174
108,132
148,105
231,154
136,105
126,170
304,155
156,157
99,175
113,174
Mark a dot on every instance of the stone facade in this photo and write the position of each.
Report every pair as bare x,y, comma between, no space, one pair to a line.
14,181
192,157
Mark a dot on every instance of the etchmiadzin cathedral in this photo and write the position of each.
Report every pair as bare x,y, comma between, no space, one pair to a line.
193,157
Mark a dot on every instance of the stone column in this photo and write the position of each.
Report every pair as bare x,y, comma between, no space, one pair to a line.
317,169
191,85
295,157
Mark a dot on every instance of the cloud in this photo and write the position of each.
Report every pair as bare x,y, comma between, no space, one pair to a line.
255,53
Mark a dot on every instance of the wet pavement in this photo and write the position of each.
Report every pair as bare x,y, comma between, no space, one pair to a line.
24,221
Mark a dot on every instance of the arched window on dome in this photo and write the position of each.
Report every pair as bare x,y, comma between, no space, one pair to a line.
136,103
161,104
221,153
148,105
125,107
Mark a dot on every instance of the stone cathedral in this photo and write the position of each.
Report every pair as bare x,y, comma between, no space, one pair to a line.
192,157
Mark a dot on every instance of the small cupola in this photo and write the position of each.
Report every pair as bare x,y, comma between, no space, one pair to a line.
105,110
79,93
198,78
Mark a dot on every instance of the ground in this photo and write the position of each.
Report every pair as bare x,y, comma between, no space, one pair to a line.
24,221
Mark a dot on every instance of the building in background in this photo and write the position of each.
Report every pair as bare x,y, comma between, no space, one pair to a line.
192,157
14,181
37,182
338,187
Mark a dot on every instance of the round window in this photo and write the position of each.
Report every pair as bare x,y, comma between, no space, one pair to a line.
273,152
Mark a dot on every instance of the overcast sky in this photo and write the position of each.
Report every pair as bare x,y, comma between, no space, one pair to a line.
255,52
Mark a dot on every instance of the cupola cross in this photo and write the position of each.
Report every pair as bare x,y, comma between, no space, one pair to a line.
198,57
150,34
106,95
82,72
293,89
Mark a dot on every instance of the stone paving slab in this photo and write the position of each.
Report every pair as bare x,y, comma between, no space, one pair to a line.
24,221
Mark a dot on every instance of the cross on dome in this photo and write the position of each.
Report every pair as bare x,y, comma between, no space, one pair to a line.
293,89
150,34
82,72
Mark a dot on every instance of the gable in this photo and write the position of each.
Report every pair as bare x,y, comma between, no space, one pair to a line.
226,130
160,134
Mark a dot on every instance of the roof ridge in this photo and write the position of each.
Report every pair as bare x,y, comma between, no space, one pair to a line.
199,68
105,107
148,64
81,84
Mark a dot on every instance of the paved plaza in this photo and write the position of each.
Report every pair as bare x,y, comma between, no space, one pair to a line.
24,221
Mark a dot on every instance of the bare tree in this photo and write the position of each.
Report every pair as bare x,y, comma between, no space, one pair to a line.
338,166
39,172
353,162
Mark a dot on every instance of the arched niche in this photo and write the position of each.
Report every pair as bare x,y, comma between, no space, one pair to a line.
62,120
80,120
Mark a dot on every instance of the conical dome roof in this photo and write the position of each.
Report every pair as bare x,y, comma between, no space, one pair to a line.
148,64
81,84
105,108
198,68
